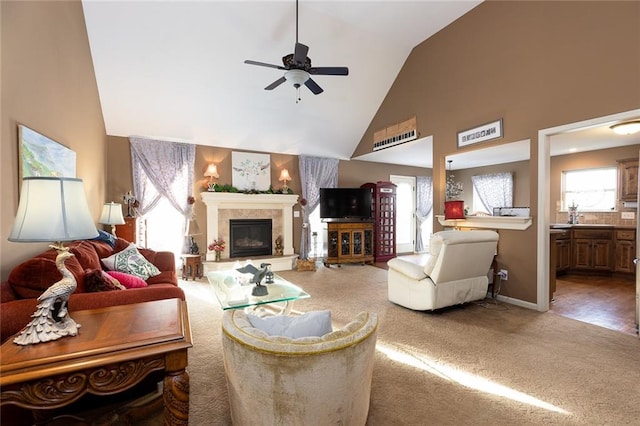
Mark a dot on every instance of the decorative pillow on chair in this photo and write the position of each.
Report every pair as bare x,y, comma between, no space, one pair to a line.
98,280
128,280
315,323
132,262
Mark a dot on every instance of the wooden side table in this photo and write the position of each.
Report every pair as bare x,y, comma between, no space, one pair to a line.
115,349
191,266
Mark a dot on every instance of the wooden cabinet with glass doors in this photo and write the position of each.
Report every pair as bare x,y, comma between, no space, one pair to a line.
349,242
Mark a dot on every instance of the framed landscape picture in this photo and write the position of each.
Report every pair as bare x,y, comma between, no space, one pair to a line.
251,172
41,156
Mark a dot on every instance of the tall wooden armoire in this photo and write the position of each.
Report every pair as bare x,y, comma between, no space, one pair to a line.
383,208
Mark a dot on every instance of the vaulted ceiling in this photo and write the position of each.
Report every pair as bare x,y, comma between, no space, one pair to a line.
174,70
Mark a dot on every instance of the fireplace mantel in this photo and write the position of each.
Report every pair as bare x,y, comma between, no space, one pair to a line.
216,201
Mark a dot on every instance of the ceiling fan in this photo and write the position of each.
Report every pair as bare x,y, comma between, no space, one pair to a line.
298,67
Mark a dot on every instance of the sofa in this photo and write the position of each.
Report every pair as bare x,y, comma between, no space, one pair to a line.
18,295
455,272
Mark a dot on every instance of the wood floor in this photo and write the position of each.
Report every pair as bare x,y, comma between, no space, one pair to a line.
605,301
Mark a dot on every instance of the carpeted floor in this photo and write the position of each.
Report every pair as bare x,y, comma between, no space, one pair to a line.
475,365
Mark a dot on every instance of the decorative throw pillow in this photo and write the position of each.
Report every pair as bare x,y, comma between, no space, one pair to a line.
128,280
98,280
132,262
106,237
314,323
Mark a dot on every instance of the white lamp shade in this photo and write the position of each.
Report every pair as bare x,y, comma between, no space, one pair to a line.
112,214
284,175
212,171
52,209
192,228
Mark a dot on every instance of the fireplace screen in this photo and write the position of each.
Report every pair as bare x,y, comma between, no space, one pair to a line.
250,237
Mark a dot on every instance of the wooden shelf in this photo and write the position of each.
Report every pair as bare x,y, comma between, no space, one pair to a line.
517,223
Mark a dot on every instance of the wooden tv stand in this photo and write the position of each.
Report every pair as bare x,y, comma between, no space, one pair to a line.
349,242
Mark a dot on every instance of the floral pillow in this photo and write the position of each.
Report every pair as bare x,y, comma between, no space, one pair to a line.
130,261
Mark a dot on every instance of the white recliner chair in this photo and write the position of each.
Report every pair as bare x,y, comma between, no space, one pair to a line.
276,380
456,271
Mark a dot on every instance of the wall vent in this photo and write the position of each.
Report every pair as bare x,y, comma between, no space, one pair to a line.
395,135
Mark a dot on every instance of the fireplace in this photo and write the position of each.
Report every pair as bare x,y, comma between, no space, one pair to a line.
250,237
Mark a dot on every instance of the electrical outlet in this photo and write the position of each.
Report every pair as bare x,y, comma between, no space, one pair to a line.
504,274
628,215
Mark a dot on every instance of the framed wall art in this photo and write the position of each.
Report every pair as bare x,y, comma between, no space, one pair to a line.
40,156
251,171
483,133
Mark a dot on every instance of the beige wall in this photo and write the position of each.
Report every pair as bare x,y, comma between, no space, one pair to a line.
588,160
536,65
49,85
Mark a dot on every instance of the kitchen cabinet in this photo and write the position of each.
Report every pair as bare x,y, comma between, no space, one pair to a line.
592,249
625,249
628,179
563,251
349,242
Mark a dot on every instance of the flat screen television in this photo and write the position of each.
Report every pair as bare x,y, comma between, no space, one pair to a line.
345,203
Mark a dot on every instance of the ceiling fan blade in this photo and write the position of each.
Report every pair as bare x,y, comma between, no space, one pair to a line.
329,71
300,53
276,83
262,64
313,86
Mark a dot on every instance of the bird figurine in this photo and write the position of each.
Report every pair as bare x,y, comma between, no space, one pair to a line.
258,276
51,319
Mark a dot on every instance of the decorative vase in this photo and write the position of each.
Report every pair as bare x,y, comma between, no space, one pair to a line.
217,256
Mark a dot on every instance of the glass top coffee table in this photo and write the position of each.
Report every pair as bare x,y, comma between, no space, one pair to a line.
233,291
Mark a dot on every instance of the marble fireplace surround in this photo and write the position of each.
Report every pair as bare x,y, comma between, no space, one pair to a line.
223,206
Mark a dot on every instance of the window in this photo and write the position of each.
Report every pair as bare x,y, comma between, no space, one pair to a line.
590,189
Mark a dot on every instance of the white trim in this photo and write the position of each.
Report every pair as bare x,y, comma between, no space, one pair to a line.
544,195
516,302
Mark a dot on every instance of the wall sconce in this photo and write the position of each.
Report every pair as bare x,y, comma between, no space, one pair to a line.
284,177
627,127
211,172
112,215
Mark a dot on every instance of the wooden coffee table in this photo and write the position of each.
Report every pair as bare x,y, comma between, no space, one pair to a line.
116,348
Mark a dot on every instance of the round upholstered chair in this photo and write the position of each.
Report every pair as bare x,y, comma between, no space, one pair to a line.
277,380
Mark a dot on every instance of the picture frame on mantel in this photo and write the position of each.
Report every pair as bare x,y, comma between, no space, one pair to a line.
482,133
39,155
251,171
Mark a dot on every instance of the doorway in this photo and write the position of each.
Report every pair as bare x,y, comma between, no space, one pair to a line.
405,212
545,142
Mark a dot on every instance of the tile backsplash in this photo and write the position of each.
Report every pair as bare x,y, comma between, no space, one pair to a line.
598,218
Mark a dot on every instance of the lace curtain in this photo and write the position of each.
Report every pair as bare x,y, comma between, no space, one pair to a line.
163,169
494,190
424,205
315,173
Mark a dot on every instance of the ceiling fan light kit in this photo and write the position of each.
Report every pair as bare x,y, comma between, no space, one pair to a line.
298,68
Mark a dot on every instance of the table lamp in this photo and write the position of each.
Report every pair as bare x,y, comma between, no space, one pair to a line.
193,229
112,215
52,209
211,172
284,177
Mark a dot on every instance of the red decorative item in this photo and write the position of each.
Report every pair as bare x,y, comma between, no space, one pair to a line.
191,199
454,209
